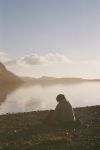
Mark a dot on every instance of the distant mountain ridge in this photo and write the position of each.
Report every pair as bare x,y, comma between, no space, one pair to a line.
54,80
8,77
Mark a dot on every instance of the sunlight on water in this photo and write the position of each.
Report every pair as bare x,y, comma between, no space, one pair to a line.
35,97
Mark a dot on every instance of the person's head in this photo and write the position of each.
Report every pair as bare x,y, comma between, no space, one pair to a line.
60,98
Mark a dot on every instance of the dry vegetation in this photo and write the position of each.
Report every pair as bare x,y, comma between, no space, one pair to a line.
25,131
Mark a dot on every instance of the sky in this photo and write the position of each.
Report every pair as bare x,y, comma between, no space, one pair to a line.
51,37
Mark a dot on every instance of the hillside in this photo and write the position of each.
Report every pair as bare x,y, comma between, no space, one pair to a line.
8,77
25,131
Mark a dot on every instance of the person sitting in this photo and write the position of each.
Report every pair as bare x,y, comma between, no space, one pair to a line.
63,113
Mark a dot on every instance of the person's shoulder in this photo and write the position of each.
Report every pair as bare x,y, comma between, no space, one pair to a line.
58,106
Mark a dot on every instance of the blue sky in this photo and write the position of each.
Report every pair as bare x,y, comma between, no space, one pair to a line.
67,27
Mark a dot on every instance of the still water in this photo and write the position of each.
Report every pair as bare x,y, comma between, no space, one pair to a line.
42,97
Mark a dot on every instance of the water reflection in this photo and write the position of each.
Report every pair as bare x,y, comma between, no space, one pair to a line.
30,97
33,104
5,90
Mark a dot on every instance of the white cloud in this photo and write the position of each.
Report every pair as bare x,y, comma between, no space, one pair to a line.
32,59
4,57
35,59
11,62
56,58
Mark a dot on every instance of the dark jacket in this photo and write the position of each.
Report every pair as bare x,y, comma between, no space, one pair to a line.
64,112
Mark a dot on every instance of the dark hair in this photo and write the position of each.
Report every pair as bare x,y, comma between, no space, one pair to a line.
60,97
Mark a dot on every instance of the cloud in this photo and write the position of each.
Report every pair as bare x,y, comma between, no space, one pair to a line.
57,58
4,57
35,59
11,62
32,59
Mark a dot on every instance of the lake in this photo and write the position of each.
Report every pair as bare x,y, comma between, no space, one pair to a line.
42,97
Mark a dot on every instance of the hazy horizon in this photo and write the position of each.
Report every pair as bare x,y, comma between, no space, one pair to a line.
58,38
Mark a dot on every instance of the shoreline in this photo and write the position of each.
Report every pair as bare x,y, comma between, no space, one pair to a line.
46,110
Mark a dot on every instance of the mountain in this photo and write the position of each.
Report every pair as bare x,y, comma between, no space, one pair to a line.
8,77
44,80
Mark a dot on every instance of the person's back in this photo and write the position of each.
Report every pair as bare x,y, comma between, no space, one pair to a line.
63,111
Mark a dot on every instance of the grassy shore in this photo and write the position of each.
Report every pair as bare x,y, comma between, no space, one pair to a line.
25,131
